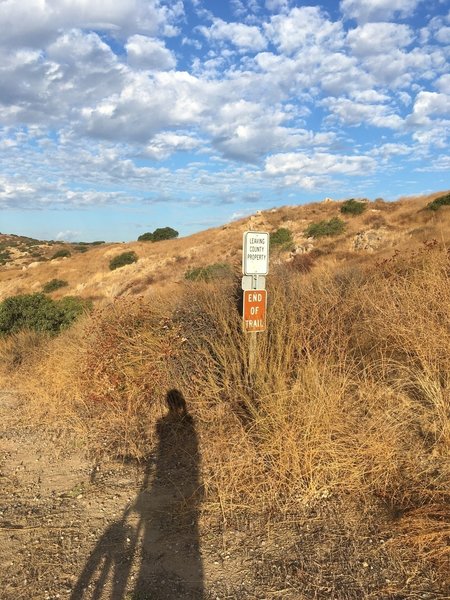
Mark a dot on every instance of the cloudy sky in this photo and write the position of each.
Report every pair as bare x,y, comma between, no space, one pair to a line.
120,116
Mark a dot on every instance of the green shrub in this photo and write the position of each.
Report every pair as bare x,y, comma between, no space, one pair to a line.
39,312
334,226
126,258
5,255
81,248
353,207
281,237
63,253
146,237
209,273
161,233
54,284
438,202
164,233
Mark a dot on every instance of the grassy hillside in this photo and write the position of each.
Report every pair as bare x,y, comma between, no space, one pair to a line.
382,227
344,408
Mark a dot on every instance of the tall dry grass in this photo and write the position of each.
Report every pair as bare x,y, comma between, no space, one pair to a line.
346,393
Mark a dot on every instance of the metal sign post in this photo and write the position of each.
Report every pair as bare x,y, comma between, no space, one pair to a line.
255,267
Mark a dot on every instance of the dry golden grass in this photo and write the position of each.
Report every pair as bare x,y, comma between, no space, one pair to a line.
347,393
404,224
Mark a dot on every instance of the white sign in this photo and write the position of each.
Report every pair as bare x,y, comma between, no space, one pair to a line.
255,255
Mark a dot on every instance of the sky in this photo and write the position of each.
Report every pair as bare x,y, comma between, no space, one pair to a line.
121,116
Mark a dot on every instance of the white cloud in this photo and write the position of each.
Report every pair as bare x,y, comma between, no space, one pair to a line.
303,27
277,5
149,53
68,235
443,84
443,35
354,113
320,163
164,144
386,151
378,38
427,105
243,36
378,10
442,163
36,22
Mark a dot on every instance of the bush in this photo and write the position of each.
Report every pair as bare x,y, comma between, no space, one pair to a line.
302,263
5,255
126,258
63,253
53,285
209,273
353,207
39,312
161,233
334,226
146,237
281,237
438,202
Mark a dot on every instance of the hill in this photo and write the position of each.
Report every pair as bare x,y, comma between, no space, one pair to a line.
155,446
380,229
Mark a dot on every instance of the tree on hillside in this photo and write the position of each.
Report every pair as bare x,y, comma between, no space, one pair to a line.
161,233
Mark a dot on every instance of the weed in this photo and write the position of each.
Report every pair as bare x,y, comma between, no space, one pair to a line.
126,258
210,272
63,253
353,207
438,202
282,238
53,285
334,226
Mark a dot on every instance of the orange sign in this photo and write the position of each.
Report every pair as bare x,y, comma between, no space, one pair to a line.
255,302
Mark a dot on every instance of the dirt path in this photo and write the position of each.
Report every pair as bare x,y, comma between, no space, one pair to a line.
71,529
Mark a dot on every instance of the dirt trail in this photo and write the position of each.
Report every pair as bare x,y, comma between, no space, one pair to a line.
71,529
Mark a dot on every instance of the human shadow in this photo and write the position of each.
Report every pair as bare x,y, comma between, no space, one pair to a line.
153,551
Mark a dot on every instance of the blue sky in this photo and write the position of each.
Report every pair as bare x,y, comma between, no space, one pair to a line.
120,117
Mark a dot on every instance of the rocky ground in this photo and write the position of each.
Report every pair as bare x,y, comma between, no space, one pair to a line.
73,529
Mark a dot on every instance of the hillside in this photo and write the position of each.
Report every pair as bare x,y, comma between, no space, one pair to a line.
381,228
152,448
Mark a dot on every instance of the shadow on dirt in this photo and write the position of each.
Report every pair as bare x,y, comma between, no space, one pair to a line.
153,550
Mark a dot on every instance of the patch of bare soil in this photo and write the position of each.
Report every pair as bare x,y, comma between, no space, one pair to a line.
71,529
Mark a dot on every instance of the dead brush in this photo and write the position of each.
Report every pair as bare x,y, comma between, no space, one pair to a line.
125,372
20,348
426,530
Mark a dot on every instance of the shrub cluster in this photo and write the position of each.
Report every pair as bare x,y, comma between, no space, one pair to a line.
39,312
438,202
353,207
210,272
126,258
334,226
161,233
63,253
53,285
5,255
282,237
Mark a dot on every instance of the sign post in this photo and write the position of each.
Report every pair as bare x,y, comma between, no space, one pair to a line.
255,267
